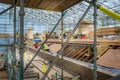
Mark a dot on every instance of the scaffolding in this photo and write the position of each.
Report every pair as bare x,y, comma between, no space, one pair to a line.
22,46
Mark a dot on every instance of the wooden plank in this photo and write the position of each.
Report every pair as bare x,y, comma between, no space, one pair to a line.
34,3
7,35
110,59
76,54
71,52
88,58
55,47
89,53
58,3
75,51
101,50
3,74
78,68
67,4
45,3
6,1
26,2
18,2
66,51
81,53
53,4
87,41
61,3
107,31
54,77
82,57
91,60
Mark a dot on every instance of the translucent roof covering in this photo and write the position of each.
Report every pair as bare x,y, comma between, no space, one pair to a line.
42,20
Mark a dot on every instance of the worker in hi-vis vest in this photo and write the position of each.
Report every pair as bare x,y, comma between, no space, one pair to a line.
44,68
45,47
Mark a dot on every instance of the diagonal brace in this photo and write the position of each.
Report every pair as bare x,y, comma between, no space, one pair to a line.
45,41
6,10
67,41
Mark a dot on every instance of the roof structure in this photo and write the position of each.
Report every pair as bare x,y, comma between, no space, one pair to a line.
53,5
110,59
44,20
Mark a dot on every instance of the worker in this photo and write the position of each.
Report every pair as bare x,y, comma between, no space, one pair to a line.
36,46
72,37
17,36
45,47
25,53
31,56
18,64
47,33
44,68
55,35
41,37
65,35
76,36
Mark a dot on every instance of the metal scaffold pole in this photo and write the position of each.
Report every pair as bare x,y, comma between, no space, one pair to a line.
14,38
95,40
62,32
44,42
67,41
21,14
15,31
